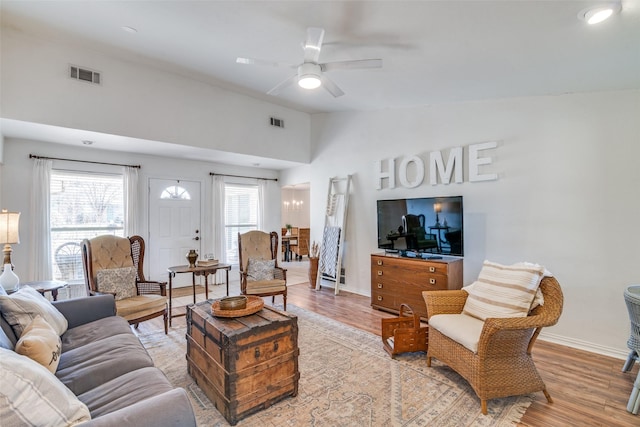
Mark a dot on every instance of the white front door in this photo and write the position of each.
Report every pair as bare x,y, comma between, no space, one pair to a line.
174,226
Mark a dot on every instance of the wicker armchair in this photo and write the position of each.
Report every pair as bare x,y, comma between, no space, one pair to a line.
502,365
109,252
263,247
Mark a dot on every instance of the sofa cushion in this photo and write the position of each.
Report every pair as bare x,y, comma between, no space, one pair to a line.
140,306
503,291
21,307
125,390
94,331
260,269
461,328
118,281
30,395
86,367
39,342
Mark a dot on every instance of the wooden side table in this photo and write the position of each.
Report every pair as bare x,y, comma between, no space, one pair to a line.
195,271
43,286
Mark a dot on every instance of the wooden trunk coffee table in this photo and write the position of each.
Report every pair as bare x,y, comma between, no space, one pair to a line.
243,364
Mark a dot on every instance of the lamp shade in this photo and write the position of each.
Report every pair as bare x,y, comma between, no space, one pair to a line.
9,227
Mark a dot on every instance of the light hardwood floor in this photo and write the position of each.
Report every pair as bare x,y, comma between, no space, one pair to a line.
588,389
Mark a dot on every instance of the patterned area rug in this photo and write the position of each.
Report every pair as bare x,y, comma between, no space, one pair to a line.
347,379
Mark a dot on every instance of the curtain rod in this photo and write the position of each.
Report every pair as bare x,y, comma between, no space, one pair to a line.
33,156
240,176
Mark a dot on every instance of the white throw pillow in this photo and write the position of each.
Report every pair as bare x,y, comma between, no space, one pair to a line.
39,342
118,281
503,291
21,307
260,269
30,395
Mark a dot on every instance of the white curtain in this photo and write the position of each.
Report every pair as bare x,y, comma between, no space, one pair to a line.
262,192
131,201
217,198
41,267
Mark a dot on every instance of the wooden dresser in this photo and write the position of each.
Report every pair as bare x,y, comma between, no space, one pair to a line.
396,280
243,364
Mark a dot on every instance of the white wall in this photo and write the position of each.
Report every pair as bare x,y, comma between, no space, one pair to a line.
140,101
16,181
566,197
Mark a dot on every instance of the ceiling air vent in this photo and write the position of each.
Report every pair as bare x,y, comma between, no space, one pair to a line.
279,123
84,74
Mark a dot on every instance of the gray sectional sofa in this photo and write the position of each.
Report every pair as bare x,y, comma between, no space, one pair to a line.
106,367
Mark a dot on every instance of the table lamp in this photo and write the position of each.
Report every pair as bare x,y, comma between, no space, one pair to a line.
437,208
9,234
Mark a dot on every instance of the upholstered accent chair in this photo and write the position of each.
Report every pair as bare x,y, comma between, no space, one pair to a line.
259,271
501,365
114,265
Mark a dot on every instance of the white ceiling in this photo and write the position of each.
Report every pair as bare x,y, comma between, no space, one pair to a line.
433,51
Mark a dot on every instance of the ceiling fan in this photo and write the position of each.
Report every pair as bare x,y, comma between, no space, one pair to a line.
311,74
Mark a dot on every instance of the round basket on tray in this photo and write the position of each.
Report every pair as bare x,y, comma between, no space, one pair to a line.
254,305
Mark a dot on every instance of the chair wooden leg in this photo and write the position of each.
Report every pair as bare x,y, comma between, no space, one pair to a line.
547,395
483,406
166,327
136,325
429,361
285,302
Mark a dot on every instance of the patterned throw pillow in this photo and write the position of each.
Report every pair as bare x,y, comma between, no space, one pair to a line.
22,306
260,269
503,291
119,281
39,342
33,396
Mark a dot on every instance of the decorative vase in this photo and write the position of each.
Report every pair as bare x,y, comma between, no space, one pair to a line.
9,280
313,272
192,256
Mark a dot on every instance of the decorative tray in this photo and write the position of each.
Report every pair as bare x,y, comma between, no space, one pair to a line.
254,305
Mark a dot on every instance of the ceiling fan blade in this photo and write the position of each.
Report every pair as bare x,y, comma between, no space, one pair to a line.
263,62
283,84
331,87
313,44
352,65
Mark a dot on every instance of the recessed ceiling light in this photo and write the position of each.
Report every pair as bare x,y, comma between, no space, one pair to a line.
87,142
129,29
597,14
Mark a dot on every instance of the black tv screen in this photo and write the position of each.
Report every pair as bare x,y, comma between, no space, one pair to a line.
425,225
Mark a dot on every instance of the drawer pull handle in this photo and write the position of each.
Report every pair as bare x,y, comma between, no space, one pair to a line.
379,298
257,353
432,269
379,262
432,281
275,346
379,285
379,272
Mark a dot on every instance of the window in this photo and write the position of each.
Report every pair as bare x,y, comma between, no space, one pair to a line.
240,215
175,192
83,205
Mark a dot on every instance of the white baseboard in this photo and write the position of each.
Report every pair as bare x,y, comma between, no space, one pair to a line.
615,352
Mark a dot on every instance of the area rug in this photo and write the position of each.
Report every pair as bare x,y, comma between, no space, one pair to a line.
347,379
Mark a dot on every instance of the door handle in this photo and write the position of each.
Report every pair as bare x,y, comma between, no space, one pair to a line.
196,238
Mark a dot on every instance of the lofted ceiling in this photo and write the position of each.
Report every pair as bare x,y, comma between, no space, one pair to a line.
433,52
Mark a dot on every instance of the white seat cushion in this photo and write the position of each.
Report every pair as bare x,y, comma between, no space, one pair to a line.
461,328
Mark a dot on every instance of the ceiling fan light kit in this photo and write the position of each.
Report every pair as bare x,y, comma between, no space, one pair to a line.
309,76
312,74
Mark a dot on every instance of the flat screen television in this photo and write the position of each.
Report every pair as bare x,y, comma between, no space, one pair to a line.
425,225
